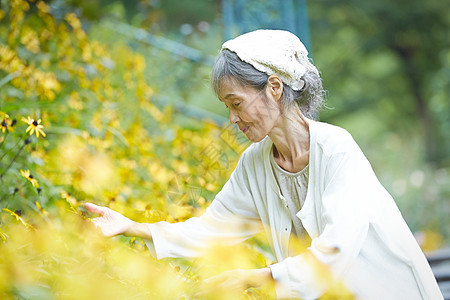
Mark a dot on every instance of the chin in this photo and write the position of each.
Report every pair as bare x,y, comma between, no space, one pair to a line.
256,139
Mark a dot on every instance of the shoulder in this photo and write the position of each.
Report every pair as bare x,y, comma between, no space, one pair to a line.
336,147
332,139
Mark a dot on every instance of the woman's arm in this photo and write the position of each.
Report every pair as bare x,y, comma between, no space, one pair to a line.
112,223
140,230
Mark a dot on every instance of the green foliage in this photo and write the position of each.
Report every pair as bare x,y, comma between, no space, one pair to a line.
385,66
103,137
385,56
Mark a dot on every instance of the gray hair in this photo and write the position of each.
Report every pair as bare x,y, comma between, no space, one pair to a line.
309,99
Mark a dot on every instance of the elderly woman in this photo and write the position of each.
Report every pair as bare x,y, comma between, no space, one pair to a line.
299,178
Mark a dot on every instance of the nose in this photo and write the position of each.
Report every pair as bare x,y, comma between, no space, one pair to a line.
233,117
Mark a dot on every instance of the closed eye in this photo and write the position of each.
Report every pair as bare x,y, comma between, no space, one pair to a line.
235,105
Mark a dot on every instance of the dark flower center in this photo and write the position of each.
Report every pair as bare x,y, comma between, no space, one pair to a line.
4,123
35,123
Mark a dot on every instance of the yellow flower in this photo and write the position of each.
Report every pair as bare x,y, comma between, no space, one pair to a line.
3,235
30,177
43,212
4,126
25,173
7,124
72,201
34,126
19,218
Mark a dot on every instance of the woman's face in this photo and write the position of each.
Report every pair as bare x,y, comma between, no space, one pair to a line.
255,112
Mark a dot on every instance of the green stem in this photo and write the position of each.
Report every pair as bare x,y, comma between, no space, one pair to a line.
12,194
13,147
10,164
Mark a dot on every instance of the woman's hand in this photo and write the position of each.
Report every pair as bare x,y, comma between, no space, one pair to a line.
110,222
236,281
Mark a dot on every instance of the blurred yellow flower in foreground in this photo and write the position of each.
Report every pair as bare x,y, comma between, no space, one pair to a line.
7,124
30,177
19,218
3,235
68,197
42,211
4,126
34,126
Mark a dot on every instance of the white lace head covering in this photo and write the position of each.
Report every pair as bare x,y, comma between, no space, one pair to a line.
273,52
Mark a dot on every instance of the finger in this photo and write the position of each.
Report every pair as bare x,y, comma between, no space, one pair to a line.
94,208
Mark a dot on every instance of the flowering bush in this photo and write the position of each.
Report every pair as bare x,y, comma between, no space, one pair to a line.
78,123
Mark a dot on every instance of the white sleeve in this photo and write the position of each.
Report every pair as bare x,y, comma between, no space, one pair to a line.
231,218
344,218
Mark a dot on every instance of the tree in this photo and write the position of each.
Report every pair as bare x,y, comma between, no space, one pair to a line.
390,53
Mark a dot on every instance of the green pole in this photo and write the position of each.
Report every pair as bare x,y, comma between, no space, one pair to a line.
303,25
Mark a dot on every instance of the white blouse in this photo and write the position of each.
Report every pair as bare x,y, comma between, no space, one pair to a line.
294,187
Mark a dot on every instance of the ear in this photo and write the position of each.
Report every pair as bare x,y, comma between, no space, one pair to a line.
275,86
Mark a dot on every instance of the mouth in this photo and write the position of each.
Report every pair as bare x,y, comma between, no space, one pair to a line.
244,129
